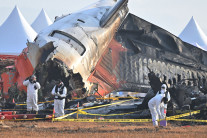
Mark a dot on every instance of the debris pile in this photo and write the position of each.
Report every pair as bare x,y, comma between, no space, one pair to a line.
186,94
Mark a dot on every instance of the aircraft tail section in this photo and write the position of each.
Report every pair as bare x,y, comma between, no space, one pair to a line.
119,9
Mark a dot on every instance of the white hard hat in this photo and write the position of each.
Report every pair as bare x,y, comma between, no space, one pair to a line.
164,86
33,76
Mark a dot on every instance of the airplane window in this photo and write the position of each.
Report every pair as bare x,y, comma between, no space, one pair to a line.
72,41
62,37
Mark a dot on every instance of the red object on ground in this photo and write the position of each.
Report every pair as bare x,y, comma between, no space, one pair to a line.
186,126
19,116
7,113
78,105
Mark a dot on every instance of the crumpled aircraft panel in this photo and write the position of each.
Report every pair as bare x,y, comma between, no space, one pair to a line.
76,42
140,47
21,69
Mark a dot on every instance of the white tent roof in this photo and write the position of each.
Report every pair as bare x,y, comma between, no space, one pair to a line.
194,35
14,33
41,22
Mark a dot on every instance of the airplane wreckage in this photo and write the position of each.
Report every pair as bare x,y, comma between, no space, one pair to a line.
106,49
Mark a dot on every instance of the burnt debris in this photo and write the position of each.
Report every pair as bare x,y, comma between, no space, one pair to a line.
185,94
49,72
140,58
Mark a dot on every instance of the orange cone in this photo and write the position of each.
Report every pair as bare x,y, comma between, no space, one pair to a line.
53,114
78,105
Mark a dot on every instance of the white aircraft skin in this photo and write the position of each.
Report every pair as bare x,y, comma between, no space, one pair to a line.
80,38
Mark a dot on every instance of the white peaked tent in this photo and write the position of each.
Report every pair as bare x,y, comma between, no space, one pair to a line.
41,22
194,35
14,33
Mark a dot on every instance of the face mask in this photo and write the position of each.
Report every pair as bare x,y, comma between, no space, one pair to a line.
163,90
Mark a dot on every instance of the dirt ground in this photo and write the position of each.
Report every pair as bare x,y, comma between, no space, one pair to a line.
97,130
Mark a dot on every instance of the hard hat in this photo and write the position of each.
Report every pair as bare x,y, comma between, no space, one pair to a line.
164,86
33,76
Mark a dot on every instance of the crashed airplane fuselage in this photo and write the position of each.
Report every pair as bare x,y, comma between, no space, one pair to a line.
102,45
79,39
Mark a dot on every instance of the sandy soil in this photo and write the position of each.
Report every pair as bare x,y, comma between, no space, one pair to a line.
97,130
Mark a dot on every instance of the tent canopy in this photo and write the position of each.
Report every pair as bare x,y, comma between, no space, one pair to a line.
41,22
14,33
194,35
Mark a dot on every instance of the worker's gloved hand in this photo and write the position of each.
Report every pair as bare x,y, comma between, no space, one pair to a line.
165,100
30,80
57,94
35,87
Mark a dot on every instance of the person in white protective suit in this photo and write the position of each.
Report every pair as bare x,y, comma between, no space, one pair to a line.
158,104
59,91
166,99
32,93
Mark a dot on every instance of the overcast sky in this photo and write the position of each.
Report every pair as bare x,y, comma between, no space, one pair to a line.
171,15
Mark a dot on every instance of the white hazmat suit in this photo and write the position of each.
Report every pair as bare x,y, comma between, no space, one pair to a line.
154,106
32,95
59,101
157,107
163,106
